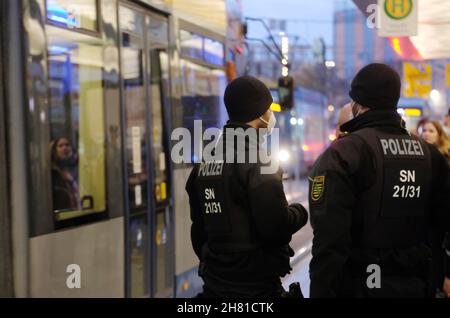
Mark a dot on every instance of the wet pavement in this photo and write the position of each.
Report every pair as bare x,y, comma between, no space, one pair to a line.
297,191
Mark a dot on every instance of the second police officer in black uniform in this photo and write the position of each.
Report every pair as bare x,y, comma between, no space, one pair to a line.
241,222
375,196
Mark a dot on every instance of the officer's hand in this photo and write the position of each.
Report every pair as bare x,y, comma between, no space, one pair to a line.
301,212
446,287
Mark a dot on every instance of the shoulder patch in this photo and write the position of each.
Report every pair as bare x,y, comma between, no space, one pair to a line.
317,188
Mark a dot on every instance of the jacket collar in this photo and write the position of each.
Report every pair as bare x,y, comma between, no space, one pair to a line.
387,119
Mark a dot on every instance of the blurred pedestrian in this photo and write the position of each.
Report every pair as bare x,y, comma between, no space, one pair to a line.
446,125
64,175
433,133
345,114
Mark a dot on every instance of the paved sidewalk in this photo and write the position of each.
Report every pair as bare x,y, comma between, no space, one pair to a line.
297,191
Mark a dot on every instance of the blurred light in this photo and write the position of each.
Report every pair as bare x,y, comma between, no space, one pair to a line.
300,121
330,64
396,46
413,112
332,137
284,155
435,95
284,61
57,19
401,111
281,33
275,107
285,71
330,108
284,45
55,49
293,121
305,148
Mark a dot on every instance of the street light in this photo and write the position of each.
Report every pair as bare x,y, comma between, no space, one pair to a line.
435,96
330,64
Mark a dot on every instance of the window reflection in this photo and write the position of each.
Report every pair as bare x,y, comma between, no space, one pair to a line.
64,175
134,94
80,14
76,123
191,45
214,52
202,98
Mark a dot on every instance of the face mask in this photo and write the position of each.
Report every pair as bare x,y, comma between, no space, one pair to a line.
271,123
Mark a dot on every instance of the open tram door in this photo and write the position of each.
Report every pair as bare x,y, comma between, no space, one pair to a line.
145,102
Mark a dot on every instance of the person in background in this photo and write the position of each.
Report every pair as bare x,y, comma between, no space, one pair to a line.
447,123
433,133
64,175
345,115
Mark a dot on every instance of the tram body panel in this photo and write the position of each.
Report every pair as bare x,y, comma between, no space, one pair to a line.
96,248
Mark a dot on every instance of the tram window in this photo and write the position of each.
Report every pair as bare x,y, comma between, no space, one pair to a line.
76,124
134,98
214,52
202,91
80,14
191,45
159,86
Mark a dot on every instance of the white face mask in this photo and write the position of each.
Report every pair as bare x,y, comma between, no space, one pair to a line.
271,123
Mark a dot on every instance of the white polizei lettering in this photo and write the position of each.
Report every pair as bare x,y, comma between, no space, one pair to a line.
392,146
416,147
401,147
420,147
410,147
209,169
400,151
384,145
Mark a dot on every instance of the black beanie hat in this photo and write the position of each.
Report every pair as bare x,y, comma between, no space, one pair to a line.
376,86
246,98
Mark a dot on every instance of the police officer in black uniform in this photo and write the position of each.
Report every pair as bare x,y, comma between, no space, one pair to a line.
375,197
241,221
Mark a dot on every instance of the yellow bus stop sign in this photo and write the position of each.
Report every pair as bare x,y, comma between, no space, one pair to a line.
398,9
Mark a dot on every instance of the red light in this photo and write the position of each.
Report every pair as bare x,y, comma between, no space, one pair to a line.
239,50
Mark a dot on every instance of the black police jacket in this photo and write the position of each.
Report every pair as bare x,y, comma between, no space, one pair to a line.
353,230
241,221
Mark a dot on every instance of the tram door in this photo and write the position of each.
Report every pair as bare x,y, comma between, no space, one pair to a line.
145,96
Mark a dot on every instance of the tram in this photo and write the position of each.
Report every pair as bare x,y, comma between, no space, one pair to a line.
90,91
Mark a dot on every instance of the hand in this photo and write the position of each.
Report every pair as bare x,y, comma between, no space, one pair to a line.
446,287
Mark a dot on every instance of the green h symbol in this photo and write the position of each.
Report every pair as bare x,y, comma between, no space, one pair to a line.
398,4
